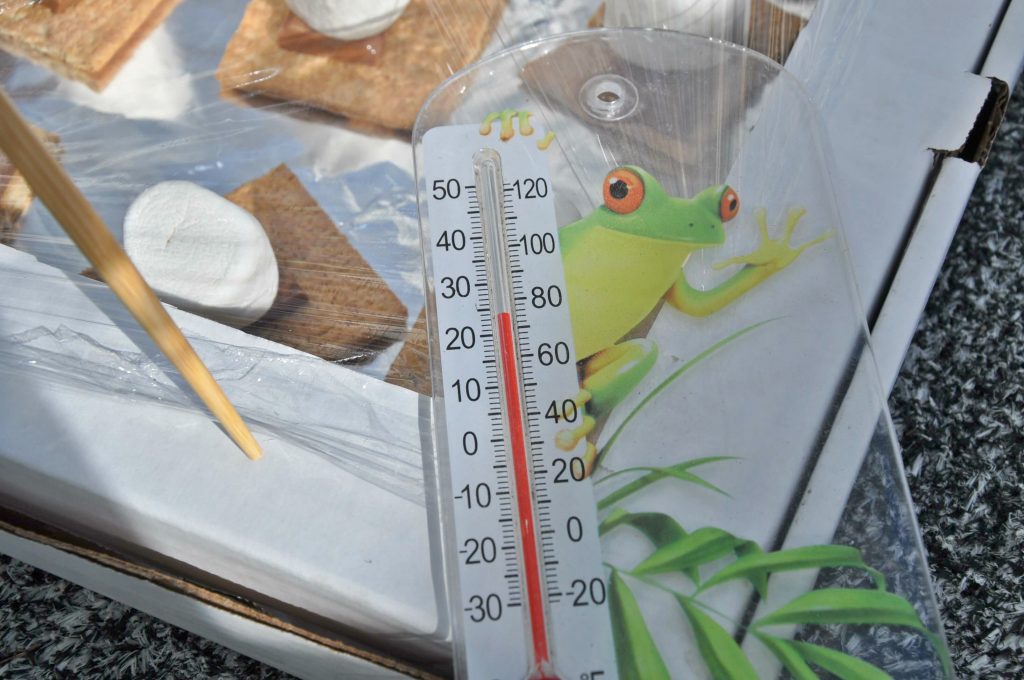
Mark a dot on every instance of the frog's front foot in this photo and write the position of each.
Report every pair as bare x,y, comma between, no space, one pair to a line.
609,376
777,253
507,118
567,440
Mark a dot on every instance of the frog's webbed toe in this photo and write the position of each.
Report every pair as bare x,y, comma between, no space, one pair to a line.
507,118
775,253
568,439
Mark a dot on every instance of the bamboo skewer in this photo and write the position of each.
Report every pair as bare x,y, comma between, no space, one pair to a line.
76,215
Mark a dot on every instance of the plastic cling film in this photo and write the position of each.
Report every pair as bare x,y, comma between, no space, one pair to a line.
283,396
222,95
216,107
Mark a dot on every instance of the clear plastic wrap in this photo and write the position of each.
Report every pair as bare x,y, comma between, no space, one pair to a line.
312,135
208,113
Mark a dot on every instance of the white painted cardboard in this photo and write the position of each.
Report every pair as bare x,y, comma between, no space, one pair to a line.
294,527
932,233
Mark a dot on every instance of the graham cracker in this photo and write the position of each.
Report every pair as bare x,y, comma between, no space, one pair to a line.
330,302
416,54
296,36
411,368
58,5
15,197
15,194
85,40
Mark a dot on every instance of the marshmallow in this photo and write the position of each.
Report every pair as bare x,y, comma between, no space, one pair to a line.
201,252
348,19
725,19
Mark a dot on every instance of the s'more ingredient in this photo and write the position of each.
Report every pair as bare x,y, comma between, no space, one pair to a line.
330,301
414,56
84,40
202,253
348,19
15,197
15,194
411,367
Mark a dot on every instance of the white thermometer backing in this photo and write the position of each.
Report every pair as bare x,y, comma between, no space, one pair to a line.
527,586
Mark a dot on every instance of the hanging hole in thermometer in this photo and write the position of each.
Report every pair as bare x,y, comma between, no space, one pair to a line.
527,586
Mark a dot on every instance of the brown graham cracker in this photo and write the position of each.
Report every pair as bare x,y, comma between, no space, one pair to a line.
330,302
58,5
296,36
15,194
411,367
414,56
86,40
15,197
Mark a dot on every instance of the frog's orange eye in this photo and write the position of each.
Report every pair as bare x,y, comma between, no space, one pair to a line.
730,204
623,191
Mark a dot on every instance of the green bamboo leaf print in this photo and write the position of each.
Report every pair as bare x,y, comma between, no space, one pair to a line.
843,666
846,605
809,557
700,547
757,579
672,378
790,657
855,606
659,528
636,655
721,654
679,471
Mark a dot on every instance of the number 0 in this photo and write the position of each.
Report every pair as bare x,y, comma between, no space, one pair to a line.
574,527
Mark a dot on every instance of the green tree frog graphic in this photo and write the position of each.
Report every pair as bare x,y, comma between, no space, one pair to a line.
626,256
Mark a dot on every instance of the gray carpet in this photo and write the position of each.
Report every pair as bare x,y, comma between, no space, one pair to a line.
959,411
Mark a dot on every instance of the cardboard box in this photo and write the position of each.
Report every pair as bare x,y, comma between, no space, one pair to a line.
907,115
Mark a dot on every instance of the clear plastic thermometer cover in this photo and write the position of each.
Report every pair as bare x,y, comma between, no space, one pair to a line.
739,441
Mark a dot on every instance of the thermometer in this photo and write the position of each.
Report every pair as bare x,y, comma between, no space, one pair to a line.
527,587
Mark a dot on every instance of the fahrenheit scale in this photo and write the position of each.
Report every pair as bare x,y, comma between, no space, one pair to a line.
527,587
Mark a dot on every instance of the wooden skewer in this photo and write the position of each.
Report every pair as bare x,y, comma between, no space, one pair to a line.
54,187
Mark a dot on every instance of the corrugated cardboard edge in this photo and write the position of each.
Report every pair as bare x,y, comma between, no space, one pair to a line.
978,144
30,529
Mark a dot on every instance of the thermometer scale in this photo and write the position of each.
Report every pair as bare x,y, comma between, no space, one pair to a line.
527,587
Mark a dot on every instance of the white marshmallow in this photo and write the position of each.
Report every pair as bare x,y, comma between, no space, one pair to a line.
201,252
348,19
725,19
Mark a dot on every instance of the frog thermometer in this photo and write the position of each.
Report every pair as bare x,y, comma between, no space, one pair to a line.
528,593
653,394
